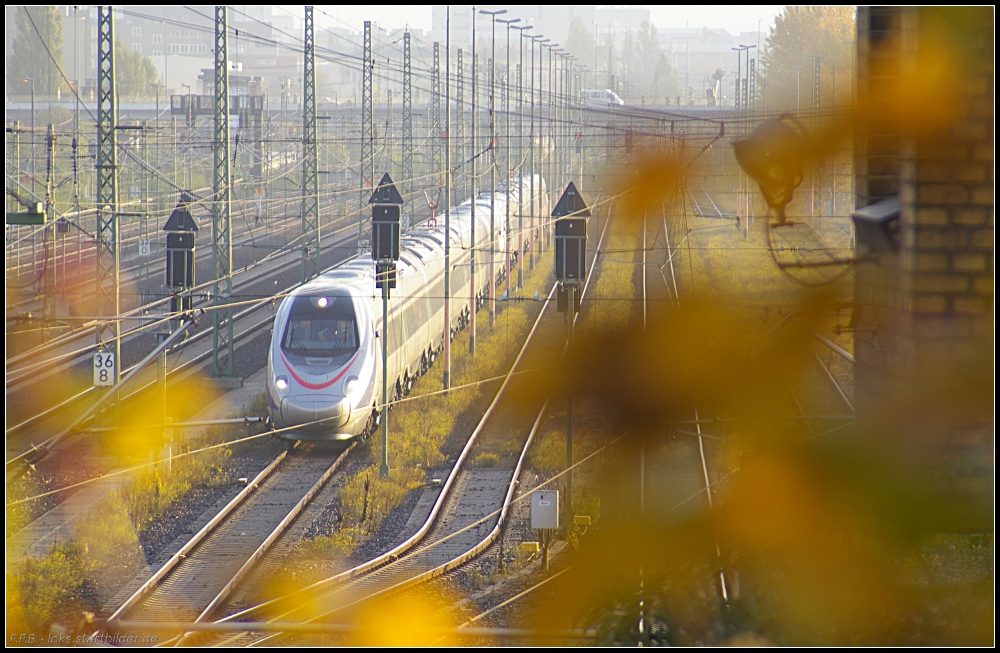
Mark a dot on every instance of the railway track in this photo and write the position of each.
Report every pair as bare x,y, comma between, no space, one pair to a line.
686,485
502,610
699,477
247,275
129,243
478,504
466,518
455,525
193,352
359,573
709,450
204,572
56,349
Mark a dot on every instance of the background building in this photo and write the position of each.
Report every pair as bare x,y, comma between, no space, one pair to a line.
699,53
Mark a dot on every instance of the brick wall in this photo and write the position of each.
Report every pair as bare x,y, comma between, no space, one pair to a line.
881,324
925,312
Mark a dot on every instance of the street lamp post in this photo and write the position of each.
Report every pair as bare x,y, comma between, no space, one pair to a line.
565,84
597,51
520,155
579,114
817,60
189,117
544,160
611,57
569,102
508,22
833,170
737,104
531,153
561,65
560,61
493,164
166,58
552,158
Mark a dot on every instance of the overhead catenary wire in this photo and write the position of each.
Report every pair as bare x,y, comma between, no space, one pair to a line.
199,146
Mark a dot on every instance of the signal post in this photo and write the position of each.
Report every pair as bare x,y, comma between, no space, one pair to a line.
571,213
385,202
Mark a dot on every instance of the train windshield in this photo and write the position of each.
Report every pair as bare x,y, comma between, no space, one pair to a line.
321,327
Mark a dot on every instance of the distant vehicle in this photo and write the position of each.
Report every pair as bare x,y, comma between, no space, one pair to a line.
602,97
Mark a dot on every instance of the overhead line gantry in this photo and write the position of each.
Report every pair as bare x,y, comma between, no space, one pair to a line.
310,157
222,245
108,330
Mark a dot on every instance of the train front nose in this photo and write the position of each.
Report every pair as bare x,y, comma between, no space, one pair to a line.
315,412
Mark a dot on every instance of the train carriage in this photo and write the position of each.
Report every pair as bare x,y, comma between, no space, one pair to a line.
324,361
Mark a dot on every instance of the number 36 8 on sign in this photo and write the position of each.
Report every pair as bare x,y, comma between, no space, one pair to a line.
104,369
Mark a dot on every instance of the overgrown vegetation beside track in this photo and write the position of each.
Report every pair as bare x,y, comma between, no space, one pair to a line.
104,552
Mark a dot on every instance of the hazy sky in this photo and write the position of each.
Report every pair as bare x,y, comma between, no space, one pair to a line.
734,18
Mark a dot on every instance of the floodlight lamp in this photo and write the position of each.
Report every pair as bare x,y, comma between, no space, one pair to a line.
774,156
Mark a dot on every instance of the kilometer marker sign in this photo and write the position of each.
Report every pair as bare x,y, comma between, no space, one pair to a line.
104,369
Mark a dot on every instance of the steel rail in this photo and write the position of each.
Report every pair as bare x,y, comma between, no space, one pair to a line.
195,338
329,629
392,557
470,553
196,539
213,526
426,526
272,538
839,350
395,552
833,381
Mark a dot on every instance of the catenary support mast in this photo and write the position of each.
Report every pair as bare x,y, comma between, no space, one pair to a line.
222,246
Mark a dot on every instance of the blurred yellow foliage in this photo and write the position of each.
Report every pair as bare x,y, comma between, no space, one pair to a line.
807,532
815,540
653,177
416,620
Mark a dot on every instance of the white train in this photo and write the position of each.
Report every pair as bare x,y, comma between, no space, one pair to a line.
324,365
601,97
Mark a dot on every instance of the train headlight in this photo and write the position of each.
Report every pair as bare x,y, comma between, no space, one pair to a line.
350,384
281,382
